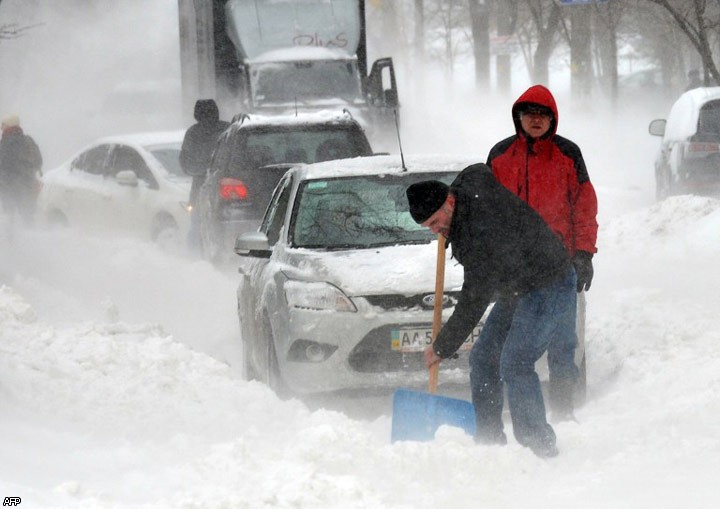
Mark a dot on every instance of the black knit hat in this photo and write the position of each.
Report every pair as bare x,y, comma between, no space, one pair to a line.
425,198
206,110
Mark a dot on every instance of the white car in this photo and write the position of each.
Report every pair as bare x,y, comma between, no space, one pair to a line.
123,184
688,160
338,283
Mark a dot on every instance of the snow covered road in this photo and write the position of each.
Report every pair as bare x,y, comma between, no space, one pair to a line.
116,390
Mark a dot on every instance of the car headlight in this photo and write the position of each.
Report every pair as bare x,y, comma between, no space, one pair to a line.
315,295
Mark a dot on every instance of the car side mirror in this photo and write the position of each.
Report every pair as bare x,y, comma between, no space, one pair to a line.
253,244
126,178
657,127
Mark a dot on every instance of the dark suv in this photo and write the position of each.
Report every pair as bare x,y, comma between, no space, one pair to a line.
252,156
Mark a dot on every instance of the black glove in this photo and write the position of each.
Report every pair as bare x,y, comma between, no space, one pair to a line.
583,269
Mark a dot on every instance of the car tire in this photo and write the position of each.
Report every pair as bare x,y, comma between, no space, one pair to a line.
662,185
57,220
249,372
273,375
210,246
164,231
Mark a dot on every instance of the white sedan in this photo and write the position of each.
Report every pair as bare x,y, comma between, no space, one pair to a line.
122,184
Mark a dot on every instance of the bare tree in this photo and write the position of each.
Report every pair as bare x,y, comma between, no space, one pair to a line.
605,34
506,15
13,30
699,20
541,31
480,25
448,22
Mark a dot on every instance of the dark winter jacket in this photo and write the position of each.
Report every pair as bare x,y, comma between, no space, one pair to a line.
20,158
199,143
550,175
504,246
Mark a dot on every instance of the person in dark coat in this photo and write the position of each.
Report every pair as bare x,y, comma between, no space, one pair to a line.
508,252
548,172
196,153
694,80
20,166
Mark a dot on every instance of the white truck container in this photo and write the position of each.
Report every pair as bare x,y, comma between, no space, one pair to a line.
275,56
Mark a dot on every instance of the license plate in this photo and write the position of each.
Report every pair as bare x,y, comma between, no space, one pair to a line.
416,340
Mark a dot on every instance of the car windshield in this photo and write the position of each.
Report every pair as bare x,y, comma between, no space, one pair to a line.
303,145
169,157
288,82
358,212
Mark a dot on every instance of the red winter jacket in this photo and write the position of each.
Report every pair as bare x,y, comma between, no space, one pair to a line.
550,175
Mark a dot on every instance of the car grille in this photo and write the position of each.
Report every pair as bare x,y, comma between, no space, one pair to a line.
374,355
402,302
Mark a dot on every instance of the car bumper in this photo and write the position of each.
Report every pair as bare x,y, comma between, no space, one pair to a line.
359,352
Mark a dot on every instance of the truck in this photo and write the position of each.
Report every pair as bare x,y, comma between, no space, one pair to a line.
279,56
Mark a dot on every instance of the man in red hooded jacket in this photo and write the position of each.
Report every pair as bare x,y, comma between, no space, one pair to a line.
548,172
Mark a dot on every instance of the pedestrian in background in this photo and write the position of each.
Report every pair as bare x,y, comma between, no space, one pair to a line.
196,154
548,172
20,167
507,252
693,80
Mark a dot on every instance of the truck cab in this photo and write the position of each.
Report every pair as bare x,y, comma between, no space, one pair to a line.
284,56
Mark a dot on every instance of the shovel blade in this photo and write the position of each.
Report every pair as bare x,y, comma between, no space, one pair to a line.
418,415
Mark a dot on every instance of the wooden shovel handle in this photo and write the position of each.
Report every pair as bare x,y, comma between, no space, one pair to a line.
437,308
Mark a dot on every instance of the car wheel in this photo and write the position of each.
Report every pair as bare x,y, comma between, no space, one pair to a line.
210,247
165,231
57,220
273,376
249,372
662,185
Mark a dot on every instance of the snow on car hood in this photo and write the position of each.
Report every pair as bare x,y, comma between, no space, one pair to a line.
406,270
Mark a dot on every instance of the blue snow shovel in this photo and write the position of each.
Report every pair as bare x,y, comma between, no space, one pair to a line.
417,415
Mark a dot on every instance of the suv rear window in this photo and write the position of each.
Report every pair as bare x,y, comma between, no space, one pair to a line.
302,144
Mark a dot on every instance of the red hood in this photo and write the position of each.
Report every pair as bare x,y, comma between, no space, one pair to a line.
8,130
537,94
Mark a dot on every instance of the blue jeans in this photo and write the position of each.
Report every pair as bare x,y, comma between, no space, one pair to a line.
515,335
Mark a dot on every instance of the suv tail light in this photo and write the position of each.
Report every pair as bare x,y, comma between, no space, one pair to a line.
703,147
232,189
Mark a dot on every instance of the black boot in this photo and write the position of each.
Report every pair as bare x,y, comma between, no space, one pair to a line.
490,437
489,429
